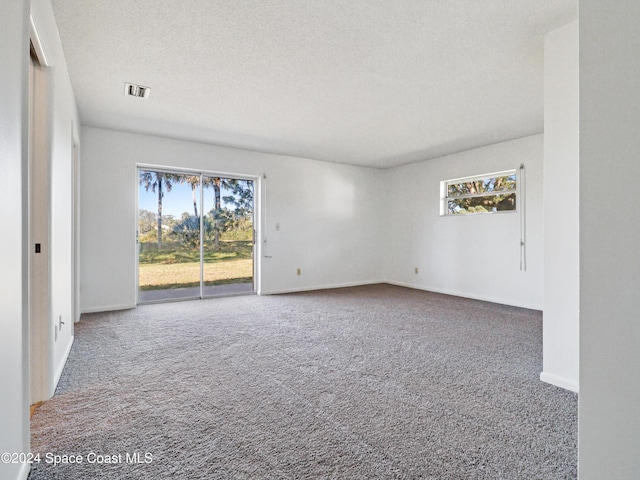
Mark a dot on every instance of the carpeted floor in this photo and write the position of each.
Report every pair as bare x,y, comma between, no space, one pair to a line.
358,383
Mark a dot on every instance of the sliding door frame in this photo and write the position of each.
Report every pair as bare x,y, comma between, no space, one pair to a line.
257,222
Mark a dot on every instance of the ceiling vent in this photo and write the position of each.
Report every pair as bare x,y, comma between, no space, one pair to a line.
133,90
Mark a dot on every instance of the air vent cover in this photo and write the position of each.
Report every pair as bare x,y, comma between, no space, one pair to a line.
133,90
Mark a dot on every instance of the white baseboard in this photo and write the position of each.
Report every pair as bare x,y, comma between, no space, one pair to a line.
559,381
483,298
320,287
60,368
265,291
108,308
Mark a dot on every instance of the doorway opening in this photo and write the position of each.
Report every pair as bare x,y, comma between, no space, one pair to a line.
41,339
195,234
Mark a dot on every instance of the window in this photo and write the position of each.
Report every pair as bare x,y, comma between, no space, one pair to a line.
489,193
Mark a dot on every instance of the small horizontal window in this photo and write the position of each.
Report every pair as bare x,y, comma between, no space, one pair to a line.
493,192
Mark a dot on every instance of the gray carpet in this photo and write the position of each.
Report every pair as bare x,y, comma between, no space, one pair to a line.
357,383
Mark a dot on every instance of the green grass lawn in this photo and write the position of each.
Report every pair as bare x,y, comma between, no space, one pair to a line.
176,265
175,252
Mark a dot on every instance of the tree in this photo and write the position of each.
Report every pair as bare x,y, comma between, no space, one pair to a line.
156,181
237,193
240,196
146,221
194,181
216,182
188,229
488,194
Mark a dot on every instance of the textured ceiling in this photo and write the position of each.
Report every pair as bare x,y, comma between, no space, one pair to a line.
364,82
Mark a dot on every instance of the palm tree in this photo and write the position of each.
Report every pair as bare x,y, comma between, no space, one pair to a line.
217,208
241,196
156,181
217,183
194,181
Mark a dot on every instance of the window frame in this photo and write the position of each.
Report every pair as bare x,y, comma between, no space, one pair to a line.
445,197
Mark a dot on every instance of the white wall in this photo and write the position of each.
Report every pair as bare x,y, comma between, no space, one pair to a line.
561,226
609,421
476,256
61,127
14,346
329,214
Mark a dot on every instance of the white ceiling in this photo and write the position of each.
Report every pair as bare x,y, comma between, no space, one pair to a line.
364,82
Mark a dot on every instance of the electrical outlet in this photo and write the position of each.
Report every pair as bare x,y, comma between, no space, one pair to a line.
298,272
416,271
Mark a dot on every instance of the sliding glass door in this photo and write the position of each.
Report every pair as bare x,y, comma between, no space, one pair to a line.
228,240
195,235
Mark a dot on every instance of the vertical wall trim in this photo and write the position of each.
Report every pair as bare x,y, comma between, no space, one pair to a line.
523,219
263,195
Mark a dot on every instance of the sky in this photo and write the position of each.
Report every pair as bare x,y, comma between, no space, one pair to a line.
177,201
